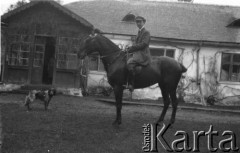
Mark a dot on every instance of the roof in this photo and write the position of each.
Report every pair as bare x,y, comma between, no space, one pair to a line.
54,4
185,21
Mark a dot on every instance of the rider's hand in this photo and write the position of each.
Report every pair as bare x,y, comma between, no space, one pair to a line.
127,48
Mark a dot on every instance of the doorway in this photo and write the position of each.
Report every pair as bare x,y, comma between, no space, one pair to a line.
49,60
43,60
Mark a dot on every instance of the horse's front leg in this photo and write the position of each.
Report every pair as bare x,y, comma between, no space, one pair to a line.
118,91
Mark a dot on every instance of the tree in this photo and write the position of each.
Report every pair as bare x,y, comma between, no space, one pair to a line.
16,5
58,1
189,1
23,2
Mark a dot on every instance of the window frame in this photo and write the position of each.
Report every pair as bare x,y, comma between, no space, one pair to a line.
165,51
98,63
129,18
19,39
235,24
74,44
38,52
230,69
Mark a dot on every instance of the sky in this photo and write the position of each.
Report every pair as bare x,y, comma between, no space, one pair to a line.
6,3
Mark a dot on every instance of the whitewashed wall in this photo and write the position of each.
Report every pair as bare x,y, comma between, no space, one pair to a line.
209,74
209,71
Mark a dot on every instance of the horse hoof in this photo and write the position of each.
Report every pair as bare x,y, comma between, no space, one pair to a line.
158,122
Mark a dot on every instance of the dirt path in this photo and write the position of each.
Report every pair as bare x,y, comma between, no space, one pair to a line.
85,125
152,111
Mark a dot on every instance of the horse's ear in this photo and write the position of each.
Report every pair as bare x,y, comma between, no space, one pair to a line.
93,35
97,31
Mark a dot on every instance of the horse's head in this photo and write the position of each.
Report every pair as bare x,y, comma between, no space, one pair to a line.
88,45
96,42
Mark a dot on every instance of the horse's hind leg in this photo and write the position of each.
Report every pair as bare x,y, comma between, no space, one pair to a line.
166,102
174,105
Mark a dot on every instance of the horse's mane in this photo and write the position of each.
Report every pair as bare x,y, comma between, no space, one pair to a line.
109,43
112,47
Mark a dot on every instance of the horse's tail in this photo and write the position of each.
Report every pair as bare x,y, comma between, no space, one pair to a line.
184,69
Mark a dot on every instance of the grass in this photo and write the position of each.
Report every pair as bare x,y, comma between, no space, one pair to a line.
78,125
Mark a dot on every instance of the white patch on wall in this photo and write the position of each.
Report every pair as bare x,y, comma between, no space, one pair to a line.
152,92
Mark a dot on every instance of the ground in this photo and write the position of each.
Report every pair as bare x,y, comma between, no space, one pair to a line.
84,125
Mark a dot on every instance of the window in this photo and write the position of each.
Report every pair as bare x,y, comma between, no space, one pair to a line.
235,23
38,55
185,1
19,50
129,18
156,52
95,63
230,67
39,49
67,53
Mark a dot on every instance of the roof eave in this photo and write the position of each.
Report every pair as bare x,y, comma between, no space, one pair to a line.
185,41
19,9
54,4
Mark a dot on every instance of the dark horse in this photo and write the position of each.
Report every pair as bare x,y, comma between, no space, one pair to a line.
165,71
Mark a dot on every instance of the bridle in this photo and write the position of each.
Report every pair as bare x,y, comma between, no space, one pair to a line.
108,55
111,54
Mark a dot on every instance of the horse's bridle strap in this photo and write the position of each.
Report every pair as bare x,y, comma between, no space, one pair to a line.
119,53
109,55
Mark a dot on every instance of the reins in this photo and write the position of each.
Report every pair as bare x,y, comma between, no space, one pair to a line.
111,54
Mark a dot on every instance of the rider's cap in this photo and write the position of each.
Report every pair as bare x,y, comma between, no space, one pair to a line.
140,18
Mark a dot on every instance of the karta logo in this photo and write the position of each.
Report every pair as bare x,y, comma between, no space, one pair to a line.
153,138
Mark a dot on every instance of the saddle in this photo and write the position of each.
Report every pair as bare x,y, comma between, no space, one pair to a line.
138,69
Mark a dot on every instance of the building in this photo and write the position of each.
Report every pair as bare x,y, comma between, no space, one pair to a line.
205,38
42,41
3,49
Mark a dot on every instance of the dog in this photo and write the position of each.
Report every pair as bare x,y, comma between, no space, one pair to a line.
43,95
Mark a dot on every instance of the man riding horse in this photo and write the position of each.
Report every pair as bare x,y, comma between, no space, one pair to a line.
140,49
164,70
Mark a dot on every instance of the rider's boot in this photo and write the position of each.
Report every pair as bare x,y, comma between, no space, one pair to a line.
131,78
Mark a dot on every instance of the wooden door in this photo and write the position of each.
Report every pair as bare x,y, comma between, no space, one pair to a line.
38,62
